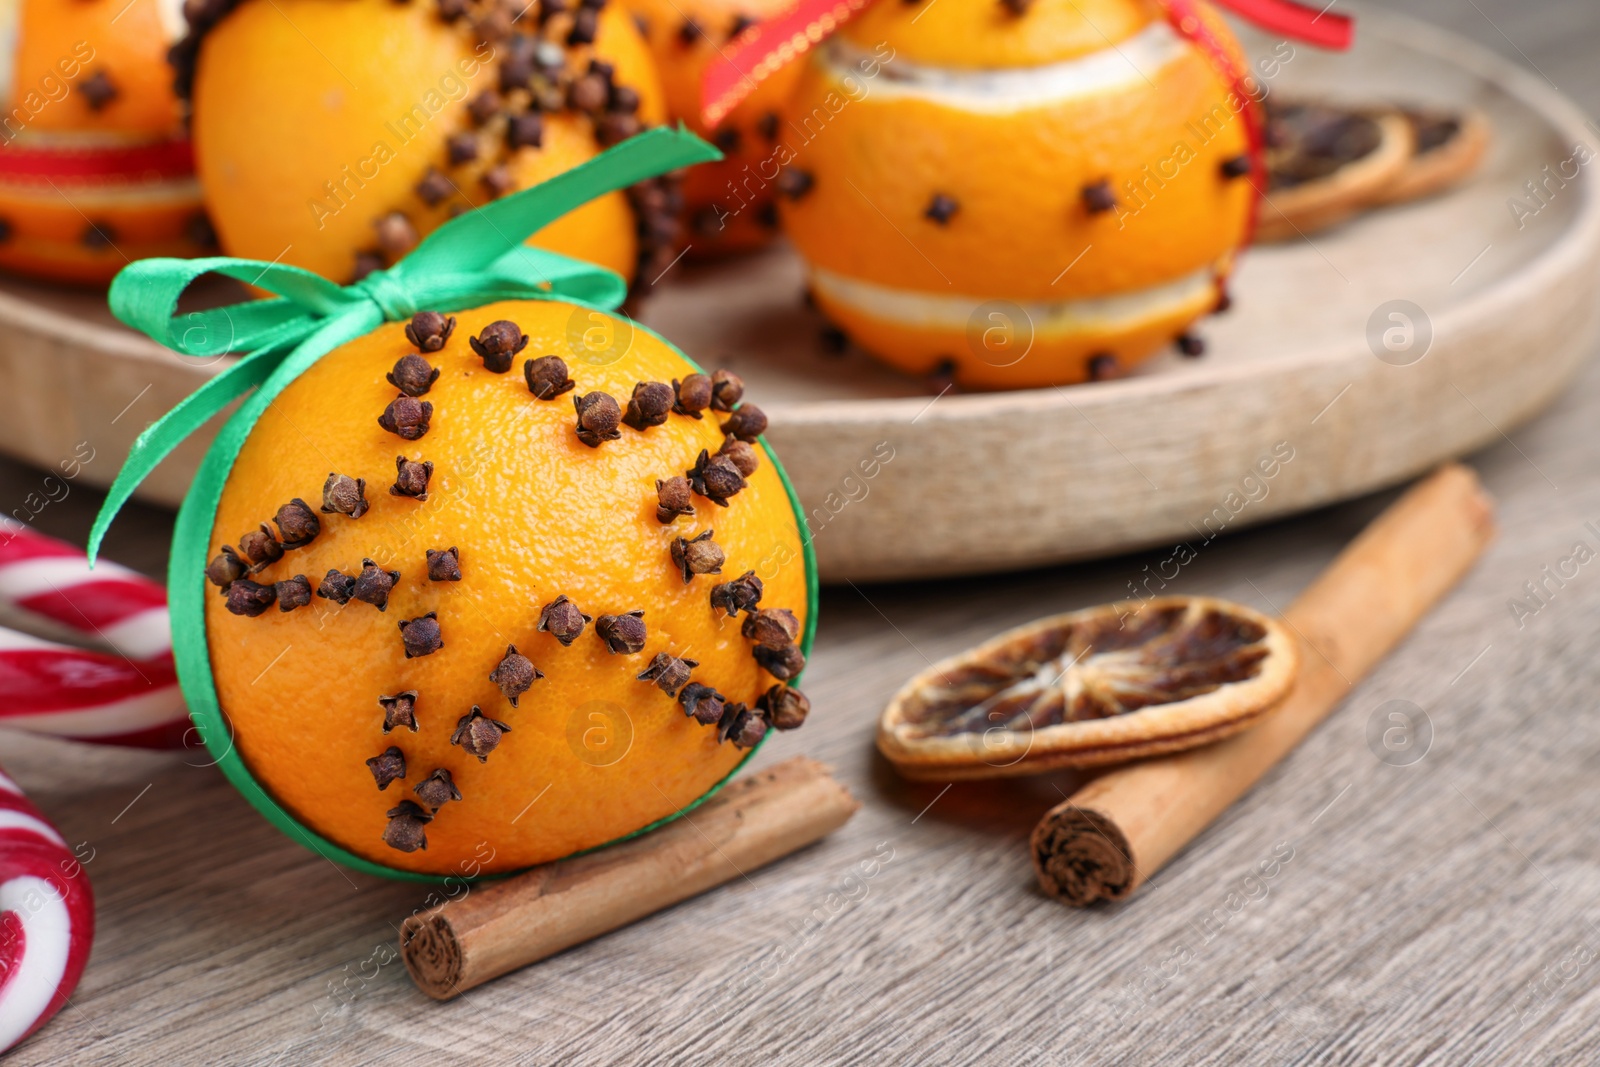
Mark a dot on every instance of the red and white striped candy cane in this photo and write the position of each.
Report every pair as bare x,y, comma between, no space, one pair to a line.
128,696
46,918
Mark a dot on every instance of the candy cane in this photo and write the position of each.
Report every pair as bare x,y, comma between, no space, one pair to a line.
127,698
46,918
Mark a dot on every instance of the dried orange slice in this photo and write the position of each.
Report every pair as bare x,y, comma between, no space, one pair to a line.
1327,163
1447,148
1102,685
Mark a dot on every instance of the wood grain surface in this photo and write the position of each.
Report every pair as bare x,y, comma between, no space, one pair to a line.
1441,911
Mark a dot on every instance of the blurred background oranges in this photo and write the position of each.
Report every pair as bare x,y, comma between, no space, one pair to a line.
728,204
333,136
94,168
1016,194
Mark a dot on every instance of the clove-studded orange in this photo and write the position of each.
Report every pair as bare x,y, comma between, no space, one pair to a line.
94,166
335,135
1018,194
728,204
498,596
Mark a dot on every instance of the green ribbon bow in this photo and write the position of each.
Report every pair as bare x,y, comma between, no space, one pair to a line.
475,259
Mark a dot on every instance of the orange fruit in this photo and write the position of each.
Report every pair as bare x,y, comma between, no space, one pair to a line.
1020,199
728,203
528,513
325,132
94,169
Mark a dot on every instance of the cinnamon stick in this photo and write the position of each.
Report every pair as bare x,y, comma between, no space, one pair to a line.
1112,834
500,926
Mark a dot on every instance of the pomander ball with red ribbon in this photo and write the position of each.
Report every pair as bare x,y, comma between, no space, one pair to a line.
1016,193
95,166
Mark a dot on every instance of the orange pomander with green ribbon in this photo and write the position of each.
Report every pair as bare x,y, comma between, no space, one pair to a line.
480,574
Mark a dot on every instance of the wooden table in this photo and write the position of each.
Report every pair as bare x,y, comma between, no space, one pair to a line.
1438,912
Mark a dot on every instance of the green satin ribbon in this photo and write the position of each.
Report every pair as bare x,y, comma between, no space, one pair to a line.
472,260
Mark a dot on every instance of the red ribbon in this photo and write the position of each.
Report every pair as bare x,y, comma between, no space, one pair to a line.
769,46
1292,20
159,160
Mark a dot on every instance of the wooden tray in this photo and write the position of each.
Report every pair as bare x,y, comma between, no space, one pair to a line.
990,482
